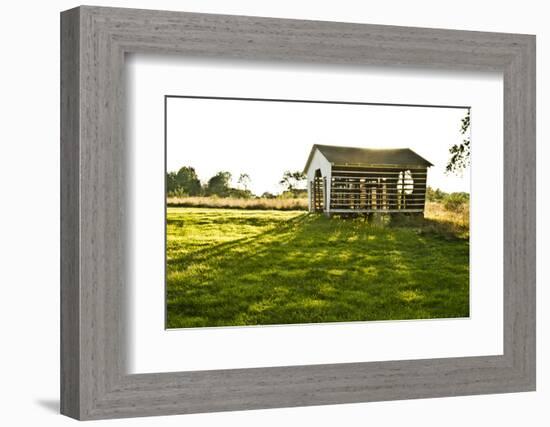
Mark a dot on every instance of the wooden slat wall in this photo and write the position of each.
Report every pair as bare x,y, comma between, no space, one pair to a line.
317,194
378,189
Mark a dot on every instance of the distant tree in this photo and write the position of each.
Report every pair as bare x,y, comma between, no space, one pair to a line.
435,194
244,181
460,153
300,192
171,183
451,201
239,193
219,184
293,181
187,181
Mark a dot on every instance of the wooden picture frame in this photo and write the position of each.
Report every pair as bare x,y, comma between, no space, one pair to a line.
94,382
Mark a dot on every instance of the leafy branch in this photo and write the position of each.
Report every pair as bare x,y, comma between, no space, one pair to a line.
460,153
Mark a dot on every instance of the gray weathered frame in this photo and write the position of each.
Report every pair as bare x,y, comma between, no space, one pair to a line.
94,41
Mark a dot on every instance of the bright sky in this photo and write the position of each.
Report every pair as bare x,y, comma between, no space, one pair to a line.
263,139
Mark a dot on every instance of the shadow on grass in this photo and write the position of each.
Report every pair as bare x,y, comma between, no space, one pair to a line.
225,247
314,269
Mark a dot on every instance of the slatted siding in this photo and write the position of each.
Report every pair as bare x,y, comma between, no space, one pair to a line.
317,186
378,189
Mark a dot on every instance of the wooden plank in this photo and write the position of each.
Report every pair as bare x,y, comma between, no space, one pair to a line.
70,215
371,172
378,166
338,210
353,192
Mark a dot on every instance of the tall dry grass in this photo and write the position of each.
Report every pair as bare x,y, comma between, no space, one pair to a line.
459,216
234,203
437,218
456,220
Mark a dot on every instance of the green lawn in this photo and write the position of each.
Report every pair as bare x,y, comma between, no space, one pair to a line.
253,267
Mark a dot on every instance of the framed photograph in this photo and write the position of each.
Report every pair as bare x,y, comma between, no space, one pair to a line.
261,213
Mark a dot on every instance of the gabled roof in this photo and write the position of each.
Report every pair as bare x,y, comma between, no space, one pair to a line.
357,156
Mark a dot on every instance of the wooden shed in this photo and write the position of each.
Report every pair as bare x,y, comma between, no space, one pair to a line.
347,180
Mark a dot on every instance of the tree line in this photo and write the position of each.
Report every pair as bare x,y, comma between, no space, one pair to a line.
185,182
452,201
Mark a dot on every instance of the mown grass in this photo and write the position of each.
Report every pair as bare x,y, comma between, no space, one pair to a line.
253,267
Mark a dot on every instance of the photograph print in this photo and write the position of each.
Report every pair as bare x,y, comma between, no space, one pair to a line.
293,211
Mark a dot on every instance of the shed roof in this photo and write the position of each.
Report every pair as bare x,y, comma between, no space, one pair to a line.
359,156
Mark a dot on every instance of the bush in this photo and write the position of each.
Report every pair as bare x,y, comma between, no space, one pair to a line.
293,194
435,194
177,192
237,193
455,202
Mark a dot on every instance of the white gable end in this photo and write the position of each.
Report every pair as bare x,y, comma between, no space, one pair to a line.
318,162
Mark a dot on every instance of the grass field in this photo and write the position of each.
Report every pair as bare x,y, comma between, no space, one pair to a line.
253,267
